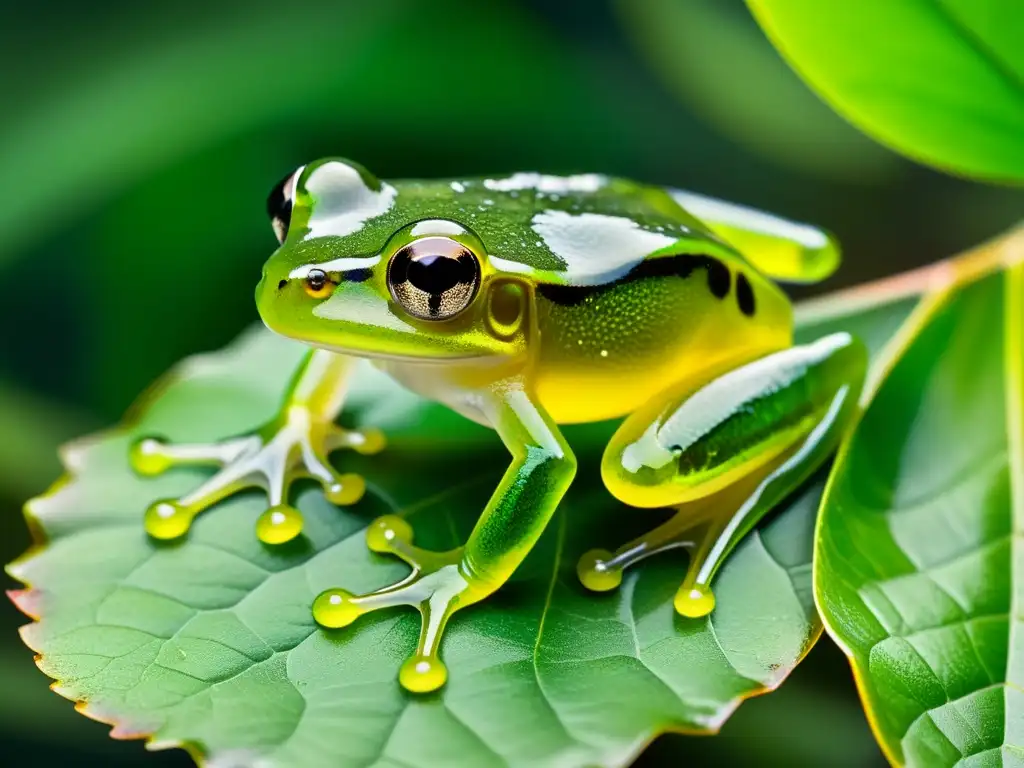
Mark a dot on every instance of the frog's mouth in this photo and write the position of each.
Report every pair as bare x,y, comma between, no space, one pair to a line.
357,320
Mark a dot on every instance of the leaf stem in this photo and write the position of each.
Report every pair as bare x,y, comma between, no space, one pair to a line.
1002,252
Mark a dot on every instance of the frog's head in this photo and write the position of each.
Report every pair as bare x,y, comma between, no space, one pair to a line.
377,271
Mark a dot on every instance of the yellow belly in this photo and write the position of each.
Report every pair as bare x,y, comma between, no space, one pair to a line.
606,357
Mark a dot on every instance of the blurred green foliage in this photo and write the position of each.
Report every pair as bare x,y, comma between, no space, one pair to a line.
942,82
137,143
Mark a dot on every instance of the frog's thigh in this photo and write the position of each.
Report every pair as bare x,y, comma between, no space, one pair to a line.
725,455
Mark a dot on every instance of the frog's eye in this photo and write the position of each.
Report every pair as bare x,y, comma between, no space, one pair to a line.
319,285
279,204
434,278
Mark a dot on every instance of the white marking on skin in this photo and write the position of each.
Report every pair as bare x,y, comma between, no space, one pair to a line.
596,248
457,187
511,265
584,182
526,411
343,201
437,227
343,264
710,210
718,401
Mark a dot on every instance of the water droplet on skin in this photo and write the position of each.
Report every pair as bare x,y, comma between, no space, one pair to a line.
383,532
147,457
594,572
167,519
604,353
334,609
347,490
694,602
422,674
279,524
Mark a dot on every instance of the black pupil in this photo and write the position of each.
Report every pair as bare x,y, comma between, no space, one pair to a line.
316,279
437,274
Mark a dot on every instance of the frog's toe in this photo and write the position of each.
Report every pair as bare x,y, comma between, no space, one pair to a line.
341,489
694,601
345,490
167,520
279,524
272,458
392,535
436,588
389,534
423,674
171,518
151,455
366,441
600,570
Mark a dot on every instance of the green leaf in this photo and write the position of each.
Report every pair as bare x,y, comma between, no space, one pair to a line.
210,643
719,63
918,572
942,81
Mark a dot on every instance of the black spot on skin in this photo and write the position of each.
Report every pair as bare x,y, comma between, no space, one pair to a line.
745,295
681,265
281,285
719,278
358,275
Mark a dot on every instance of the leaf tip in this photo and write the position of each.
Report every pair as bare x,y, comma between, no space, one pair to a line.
26,601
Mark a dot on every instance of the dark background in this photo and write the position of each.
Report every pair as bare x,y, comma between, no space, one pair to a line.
138,142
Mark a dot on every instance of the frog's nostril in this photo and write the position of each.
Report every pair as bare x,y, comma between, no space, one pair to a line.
282,284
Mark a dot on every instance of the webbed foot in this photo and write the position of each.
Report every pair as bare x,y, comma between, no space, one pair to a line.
600,570
294,445
436,587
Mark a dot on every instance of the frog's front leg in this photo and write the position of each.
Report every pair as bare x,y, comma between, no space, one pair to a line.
296,443
725,455
441,583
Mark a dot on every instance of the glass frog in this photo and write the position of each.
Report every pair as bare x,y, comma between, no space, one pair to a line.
524,303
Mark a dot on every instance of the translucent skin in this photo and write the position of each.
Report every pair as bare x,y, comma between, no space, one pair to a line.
557,300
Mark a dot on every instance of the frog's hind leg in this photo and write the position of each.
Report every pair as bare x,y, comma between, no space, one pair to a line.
724,456
293,445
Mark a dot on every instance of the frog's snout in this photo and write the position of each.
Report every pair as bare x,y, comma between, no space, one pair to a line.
270,290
